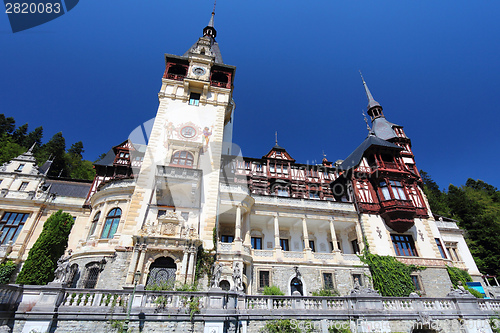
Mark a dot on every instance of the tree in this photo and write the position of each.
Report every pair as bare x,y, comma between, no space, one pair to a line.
19,134
9,149
76,149
34,136
436,198
56,148
7,125
49,247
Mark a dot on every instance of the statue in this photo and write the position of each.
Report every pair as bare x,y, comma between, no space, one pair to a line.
237,278
216,275
61,273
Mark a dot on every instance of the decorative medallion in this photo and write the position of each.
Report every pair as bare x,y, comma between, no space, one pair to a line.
188,132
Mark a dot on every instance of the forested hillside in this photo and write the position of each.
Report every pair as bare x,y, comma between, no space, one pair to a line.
66,163
476,205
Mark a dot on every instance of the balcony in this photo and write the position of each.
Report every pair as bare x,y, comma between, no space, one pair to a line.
398,214
176,77
226,85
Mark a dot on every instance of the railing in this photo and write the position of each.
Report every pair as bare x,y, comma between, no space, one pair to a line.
302,203
99,302
175,77
396,204
226,85
263,253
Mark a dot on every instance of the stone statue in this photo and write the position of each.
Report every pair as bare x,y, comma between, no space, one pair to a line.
237,278
61,273
216,275
459,292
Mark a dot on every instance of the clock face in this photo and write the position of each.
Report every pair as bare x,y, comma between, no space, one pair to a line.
188,132
198,71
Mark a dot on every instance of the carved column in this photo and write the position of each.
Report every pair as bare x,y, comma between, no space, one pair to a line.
184,266
359,235
305,234
192,262
237,225
133,265
140,265
276,232
248,236
334,237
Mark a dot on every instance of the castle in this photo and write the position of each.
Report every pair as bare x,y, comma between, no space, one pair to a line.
159,200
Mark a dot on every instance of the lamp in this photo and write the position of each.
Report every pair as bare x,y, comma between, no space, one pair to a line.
137,277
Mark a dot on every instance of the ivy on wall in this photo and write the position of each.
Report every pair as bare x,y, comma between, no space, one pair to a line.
6,271
457,274
390,276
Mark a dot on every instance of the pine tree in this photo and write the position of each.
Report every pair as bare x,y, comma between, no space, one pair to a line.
49,247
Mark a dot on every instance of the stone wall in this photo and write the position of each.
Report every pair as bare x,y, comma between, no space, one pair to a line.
436,281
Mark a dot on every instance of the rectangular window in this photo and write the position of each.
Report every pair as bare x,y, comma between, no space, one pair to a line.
257,243
355,246
331,246
284,244
226,239
385,191
11,225
441,249
327,280
194,99
285,169
416,282
272,168
263,279
23,186
311,245
20,168
404,245
397,190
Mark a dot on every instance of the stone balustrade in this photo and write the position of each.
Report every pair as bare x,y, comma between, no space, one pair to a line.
98,305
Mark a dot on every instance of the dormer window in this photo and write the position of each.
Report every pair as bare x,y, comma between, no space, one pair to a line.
20,168
194,99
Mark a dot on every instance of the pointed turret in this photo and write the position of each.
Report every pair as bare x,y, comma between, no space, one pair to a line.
374,108
209,30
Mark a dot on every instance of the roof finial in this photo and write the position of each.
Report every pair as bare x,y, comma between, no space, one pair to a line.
276,135
371,101
324,155
211,22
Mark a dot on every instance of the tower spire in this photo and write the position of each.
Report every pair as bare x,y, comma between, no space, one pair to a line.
374,108
210,29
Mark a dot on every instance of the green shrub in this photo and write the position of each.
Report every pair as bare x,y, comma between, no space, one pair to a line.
326,292
340,327
49,247
457,274
280,326
272,290
6,271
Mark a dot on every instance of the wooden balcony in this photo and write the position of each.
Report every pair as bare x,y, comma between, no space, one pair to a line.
226,85
176,77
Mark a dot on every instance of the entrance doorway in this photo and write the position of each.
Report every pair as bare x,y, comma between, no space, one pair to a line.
162,273
296,285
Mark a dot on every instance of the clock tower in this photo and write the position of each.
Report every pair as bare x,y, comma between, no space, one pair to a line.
177,184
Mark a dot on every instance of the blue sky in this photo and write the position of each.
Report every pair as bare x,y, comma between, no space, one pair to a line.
94,74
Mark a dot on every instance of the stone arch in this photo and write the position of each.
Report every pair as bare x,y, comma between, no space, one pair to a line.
289,284
162,272
225,285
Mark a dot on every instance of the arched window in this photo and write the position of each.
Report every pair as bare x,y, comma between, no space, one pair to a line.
111,223
183,158
91,276
162,273
93,226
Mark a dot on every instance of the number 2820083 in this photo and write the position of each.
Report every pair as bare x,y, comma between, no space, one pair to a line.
32,8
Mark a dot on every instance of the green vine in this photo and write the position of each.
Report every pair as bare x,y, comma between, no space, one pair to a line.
6,271
326,292
457,274
204,263
390,276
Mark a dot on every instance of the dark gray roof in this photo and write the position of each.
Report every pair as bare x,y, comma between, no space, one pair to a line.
371,101
108,159
383,129
356,156
65,188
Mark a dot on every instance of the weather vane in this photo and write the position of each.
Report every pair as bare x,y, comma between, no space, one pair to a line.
366,121
276,135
